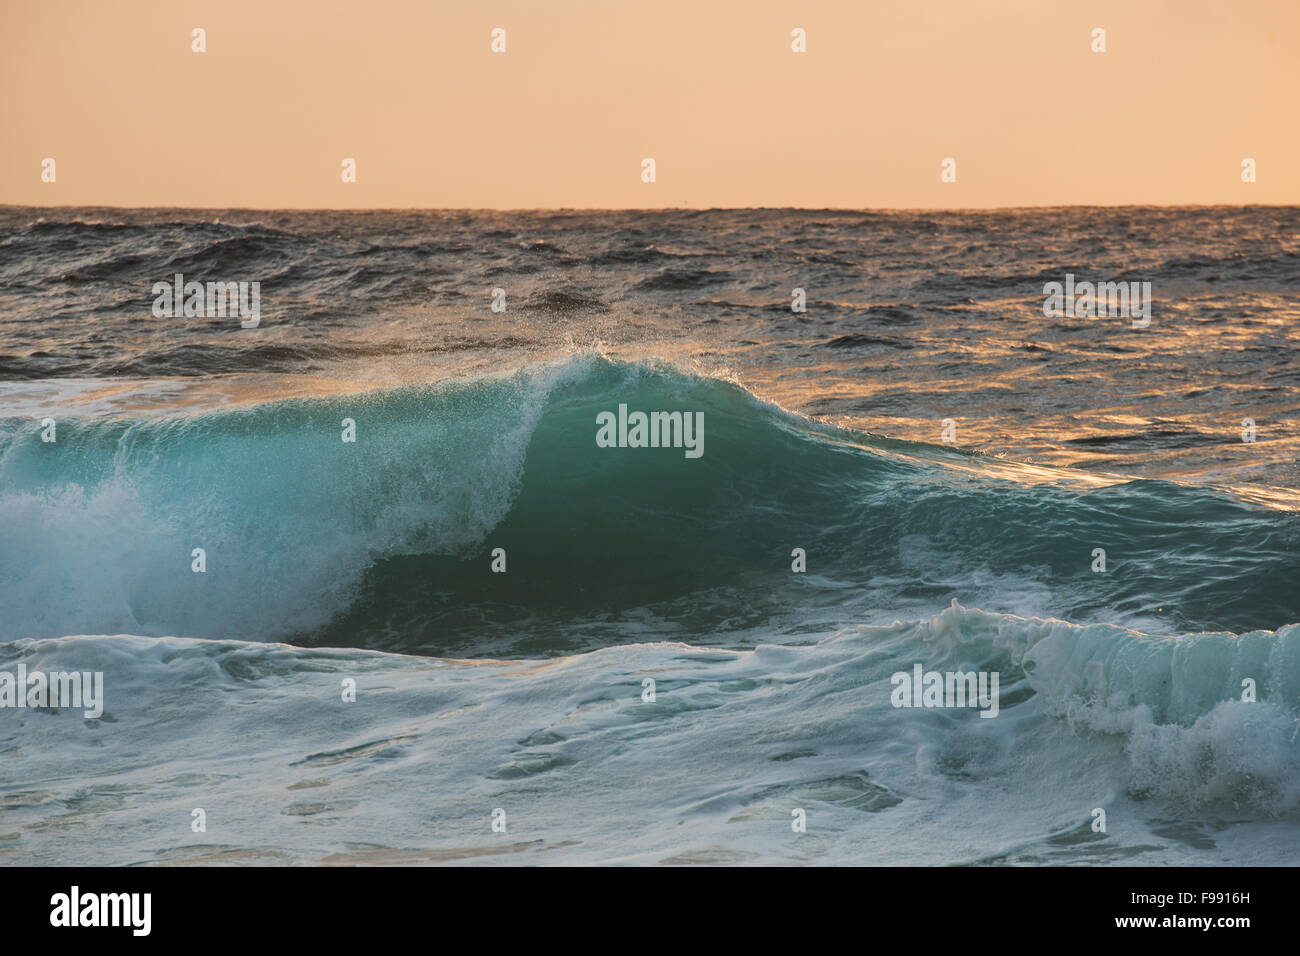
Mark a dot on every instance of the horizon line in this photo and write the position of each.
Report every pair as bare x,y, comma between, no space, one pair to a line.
648,209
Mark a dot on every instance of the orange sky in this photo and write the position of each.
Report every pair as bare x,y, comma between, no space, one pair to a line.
709,88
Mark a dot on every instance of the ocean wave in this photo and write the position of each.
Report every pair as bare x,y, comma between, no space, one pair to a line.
386,542
1151,730
1205,718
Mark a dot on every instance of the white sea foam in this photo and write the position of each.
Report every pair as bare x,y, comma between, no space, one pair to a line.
588,770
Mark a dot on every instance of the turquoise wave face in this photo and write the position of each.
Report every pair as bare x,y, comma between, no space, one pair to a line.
387,542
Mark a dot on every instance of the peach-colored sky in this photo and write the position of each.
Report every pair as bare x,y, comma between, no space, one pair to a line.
709,88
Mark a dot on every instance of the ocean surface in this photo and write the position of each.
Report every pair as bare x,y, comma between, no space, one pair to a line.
942,458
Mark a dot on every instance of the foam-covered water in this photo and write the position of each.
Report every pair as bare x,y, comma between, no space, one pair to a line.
371,560
256,735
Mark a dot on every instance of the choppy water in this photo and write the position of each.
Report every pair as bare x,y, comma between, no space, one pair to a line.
523,691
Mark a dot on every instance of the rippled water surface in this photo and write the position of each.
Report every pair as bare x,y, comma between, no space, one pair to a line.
371,561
